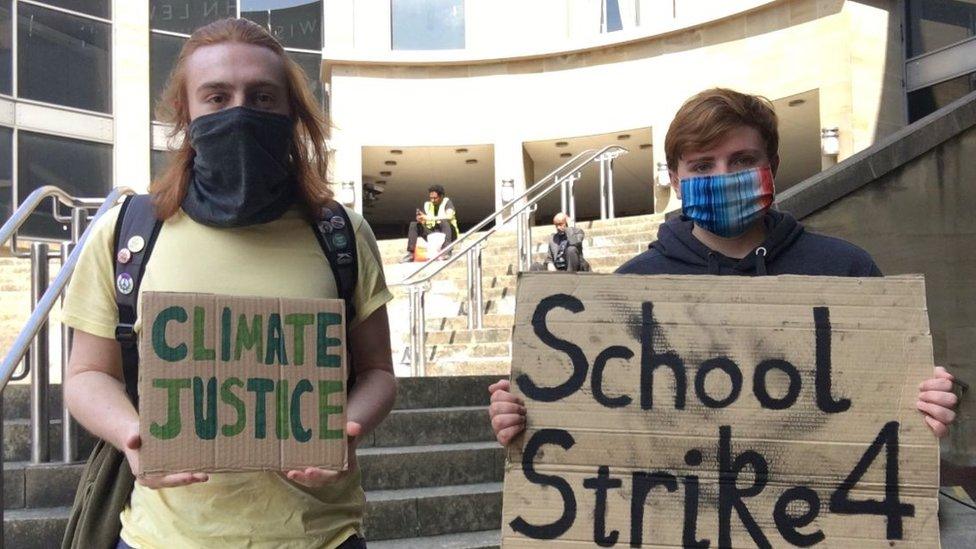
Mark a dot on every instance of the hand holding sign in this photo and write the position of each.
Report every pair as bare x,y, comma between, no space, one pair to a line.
937,401
507,412
132,445
314,477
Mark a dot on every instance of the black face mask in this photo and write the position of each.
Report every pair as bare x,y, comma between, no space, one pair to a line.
241,174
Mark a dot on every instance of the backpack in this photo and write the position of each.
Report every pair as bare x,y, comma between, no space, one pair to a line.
107,480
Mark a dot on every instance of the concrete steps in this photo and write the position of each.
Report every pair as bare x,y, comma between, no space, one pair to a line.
453,349
425,512
432,472
488,539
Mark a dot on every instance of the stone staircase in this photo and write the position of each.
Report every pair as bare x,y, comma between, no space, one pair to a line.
432,471
452,349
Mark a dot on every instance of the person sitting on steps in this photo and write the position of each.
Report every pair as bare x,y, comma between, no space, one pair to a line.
565,248
438,216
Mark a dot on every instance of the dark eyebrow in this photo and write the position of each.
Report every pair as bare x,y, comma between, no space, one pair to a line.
756,152
212,86
219,86
699,158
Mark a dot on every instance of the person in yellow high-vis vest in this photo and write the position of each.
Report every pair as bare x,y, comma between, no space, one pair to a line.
438,216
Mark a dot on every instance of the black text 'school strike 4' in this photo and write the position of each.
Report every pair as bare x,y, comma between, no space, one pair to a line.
719,412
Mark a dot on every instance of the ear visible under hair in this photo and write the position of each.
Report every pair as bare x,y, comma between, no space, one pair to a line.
675,183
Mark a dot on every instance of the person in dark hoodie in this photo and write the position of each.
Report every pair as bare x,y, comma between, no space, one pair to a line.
722,156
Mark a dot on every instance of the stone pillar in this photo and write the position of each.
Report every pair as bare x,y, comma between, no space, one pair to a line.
347,165
511,162
665,199
131,93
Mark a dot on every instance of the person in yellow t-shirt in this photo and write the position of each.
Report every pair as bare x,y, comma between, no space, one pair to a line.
236,203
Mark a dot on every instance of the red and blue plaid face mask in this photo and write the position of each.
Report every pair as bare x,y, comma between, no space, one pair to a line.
727,204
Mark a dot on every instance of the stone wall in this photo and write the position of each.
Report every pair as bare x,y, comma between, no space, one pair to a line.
910,202
14,299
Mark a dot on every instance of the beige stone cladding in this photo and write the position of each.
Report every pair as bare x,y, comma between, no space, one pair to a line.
849,52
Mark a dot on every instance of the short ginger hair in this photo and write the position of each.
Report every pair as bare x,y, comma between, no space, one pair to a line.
707,117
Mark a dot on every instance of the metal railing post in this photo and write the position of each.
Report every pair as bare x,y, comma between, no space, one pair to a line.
418,359
475,304
523,235
2,480
564,193
610,210
69,440
40,416
68,446
603,189
571,194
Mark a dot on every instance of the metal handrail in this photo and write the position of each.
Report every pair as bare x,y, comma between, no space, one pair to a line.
590,157
40,313
8,233
34,336
417,285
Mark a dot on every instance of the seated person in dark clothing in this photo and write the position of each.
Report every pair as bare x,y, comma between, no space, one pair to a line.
565,248
722,155
438,216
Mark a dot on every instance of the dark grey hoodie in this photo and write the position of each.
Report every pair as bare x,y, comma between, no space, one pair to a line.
787,249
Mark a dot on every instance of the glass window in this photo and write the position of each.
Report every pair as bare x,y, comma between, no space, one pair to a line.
157,162
934,24
612,16
163,51
98,8
185,16
296,23
6,174
428,24
81,168
6,53
925,101
64,59
310,63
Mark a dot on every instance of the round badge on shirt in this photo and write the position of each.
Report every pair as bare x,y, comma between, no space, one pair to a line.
337,222
124,283
136,244
124,256
340,241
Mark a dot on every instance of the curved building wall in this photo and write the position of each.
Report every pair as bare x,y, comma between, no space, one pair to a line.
847,54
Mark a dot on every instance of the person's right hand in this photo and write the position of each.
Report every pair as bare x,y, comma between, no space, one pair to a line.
507,412
132,444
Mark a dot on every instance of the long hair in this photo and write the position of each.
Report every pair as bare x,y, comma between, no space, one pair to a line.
308,156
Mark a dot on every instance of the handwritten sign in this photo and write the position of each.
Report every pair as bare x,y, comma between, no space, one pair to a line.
237,383
721,412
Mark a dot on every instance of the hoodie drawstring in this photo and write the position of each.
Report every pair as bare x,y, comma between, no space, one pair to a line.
761,261
712,263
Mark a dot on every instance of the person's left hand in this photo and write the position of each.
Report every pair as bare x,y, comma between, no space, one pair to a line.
313,477
937,402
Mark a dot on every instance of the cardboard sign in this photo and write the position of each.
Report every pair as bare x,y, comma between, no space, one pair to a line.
238,383
721,412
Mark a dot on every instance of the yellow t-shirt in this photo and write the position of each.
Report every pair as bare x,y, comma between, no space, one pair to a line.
278,259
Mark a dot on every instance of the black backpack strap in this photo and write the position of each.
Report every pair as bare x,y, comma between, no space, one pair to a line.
135,236
337,237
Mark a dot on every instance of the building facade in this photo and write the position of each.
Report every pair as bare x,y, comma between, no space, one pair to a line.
480,96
